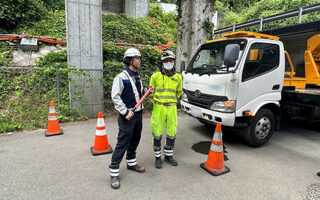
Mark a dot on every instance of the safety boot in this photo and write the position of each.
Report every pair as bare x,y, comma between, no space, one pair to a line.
115,183
114,176
158,163
170,160
318,173
136,168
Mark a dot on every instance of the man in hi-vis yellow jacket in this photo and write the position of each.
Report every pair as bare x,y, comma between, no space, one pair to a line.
167,89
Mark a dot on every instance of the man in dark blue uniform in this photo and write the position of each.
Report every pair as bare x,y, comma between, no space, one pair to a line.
126,91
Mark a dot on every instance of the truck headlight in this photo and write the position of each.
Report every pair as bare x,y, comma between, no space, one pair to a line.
224,106
184,97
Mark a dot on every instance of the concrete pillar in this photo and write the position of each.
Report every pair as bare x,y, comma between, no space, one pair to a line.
84,38
137,8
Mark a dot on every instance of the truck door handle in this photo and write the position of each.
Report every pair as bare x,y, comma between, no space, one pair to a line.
276,87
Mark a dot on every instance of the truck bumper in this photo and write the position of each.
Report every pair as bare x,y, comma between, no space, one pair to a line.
225,119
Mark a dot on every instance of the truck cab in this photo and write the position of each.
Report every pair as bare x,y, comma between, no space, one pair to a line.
237,81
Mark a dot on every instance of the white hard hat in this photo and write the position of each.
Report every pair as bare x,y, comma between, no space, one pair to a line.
131,52
167,54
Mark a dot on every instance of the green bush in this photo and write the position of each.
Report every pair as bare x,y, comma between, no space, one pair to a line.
125,29
17,12
167,21
250,10
52,25
53,4
113,64
5,54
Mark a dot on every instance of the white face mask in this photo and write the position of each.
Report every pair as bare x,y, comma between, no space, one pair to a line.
168,65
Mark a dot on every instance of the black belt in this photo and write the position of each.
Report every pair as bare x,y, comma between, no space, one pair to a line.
165,104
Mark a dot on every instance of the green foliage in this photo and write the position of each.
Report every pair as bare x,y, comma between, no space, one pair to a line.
5,55
115,28
52,25
246,10
113,55
167,22
125,29
26,94
208,27
53,4
16,12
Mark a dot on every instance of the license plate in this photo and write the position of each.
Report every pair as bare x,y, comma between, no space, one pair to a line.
196,112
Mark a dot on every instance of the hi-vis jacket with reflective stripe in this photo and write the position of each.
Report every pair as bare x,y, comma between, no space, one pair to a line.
166,89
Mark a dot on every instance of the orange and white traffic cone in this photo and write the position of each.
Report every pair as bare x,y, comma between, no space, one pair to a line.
53,127
101,145
215,163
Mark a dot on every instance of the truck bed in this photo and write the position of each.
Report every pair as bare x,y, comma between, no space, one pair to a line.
301,104
307,97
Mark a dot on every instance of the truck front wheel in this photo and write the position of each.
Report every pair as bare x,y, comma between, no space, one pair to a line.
261,128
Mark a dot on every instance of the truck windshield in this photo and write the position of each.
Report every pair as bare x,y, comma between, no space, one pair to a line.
209,58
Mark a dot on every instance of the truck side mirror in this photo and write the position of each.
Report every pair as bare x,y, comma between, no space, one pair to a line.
231,55
182,66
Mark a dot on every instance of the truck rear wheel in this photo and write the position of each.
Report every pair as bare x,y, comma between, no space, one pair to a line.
261,128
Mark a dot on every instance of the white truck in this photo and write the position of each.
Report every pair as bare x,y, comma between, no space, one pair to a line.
238,81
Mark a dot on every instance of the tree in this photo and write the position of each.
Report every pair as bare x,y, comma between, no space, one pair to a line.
16,12
194,27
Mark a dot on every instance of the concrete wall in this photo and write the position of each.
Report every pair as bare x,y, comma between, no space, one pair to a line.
84,38
114,6
137,8
134,8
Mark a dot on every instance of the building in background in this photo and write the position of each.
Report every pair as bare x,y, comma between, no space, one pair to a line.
134,8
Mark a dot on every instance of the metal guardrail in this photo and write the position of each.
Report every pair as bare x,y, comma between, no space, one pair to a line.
297,12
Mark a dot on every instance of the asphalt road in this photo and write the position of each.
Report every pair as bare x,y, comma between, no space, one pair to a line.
61,167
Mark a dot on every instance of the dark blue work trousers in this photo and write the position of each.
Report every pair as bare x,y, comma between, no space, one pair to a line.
128,138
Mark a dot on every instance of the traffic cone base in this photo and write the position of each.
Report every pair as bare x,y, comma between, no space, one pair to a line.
60,132
96,153
215,173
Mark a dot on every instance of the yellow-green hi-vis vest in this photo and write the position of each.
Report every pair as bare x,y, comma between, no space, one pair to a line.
166,89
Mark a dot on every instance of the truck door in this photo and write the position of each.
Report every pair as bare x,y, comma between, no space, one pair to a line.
261,78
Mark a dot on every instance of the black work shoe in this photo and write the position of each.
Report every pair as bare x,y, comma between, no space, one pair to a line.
158,163
136,168
318,173
170,160
115,183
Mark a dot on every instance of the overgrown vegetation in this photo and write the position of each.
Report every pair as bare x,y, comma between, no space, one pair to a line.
125,29
5,55
16,12
115,28
245,10
26,94
52,25
167,22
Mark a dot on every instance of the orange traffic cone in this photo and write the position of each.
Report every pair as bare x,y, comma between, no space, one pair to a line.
215,163
101,145
53,127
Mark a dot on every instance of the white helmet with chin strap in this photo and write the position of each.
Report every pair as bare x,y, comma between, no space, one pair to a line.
131,52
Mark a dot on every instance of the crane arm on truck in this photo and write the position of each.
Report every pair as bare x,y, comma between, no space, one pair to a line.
312,60
312,66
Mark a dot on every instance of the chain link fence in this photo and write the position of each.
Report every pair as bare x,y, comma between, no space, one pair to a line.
40,85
